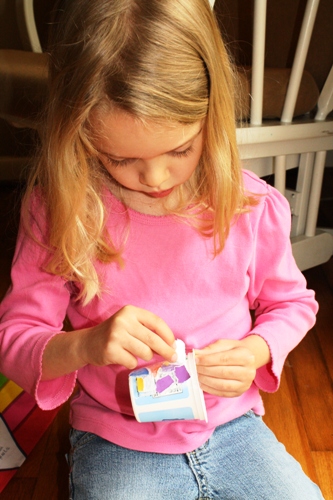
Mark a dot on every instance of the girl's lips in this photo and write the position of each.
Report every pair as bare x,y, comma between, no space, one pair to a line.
160,194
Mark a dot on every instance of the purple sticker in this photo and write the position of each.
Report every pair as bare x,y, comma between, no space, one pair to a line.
182,374
163,383
167,368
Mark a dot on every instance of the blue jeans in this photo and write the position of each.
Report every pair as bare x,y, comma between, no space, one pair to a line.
241,461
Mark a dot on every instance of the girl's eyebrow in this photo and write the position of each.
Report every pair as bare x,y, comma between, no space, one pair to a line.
167,152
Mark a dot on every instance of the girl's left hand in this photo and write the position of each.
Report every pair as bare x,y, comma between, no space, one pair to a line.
226,368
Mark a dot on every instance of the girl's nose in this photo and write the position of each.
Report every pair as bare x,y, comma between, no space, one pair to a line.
154,173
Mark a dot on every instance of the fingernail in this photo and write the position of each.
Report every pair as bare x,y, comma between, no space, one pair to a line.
174,357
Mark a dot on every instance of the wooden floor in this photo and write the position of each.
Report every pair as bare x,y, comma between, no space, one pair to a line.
300,413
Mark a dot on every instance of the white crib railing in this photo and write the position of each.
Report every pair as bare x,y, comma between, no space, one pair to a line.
274,147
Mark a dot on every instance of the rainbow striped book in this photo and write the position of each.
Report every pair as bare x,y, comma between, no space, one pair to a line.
22,424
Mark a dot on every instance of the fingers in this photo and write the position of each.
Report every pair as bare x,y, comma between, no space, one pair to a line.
219,347
124,358
156,334
234,356
141,334
225,368
228,382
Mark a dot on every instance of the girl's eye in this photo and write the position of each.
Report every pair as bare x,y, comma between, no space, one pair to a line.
118,163
182,154
127,161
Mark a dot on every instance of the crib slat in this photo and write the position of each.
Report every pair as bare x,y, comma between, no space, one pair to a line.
280,173
303,187
27,26
258,61
317,181
299,60
325,101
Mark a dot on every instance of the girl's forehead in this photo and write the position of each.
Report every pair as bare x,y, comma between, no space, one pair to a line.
123,135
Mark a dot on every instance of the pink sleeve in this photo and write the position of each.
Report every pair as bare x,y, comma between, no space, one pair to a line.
31,314
284,308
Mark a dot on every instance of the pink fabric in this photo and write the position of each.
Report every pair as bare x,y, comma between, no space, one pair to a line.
170,271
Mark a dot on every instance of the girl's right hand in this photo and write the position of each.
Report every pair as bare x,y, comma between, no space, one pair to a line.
129,334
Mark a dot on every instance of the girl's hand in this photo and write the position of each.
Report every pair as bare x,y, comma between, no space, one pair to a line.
129,334
226,368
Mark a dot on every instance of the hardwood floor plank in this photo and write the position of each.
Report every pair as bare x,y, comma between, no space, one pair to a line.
314,389
285,420
323,462
52,482
20,488
324,327
31,467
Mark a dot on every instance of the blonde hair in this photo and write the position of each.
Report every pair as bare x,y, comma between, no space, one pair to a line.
158,60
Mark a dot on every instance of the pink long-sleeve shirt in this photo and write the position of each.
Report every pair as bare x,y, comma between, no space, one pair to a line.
169,270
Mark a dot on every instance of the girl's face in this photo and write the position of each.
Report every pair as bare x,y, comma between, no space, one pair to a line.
148,159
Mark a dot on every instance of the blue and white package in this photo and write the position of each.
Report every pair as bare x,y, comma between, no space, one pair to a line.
168,391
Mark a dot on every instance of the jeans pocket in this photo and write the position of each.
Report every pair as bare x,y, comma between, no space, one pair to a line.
79,438
251,414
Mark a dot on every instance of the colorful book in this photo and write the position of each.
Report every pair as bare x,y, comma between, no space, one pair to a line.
22,424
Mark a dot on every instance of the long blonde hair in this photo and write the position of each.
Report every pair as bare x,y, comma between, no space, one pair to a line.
159,60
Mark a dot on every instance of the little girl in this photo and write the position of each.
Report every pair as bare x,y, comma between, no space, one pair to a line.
139,225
